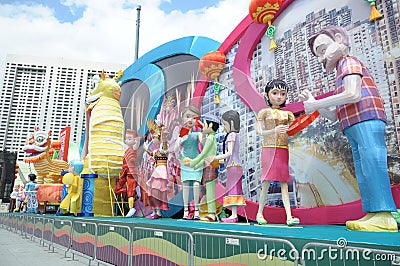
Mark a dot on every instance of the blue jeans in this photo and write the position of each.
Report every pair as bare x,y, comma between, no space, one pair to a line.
367,140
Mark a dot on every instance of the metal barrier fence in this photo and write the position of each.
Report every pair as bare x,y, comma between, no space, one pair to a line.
29,226
84,236
114,244
38,228
243,250
171,247
20,224
120,245
61,239
48,229
341,254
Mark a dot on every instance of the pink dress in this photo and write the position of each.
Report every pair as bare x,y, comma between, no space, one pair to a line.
158,183
275,149
234,171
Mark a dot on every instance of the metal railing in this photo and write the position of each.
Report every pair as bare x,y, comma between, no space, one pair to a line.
61,238
113,244
171,247
234,249
83,240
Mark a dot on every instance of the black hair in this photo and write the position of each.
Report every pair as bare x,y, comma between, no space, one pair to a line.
234,116
32,177
229,116
276,83
215,125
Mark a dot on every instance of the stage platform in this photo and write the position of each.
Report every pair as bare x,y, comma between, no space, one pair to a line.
166,241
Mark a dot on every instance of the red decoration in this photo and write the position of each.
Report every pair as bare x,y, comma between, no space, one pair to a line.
212,63
56,144
263,11
16,171
301,123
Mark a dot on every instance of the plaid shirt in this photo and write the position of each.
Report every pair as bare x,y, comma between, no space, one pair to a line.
370,106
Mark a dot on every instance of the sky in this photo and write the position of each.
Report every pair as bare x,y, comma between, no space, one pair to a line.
105,31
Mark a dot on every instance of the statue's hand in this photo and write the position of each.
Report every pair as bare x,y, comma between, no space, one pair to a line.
309,101
310,106
306,95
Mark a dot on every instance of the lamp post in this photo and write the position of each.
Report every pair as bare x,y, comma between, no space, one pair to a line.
138,8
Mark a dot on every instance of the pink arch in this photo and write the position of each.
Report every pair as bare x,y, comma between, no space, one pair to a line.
241,66
235,35
242,78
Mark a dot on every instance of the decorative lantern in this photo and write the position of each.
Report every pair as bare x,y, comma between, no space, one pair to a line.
211,65
263,12
374,12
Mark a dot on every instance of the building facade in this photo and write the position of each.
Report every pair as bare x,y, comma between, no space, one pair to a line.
48,93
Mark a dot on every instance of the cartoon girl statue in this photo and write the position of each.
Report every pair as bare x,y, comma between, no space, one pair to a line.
272,123
233,189
188,143
158,182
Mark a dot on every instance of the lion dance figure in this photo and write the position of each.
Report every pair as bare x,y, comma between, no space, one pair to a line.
48,170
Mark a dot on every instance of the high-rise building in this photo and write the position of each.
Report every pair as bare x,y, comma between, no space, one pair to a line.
48,93
389,32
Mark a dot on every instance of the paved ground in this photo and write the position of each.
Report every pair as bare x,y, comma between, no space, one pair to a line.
17,250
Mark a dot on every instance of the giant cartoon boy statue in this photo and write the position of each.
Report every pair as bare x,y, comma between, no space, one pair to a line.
358,106
129,172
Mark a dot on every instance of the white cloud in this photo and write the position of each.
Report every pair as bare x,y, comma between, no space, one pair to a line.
106,32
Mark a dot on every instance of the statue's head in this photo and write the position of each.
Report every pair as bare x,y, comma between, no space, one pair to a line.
103,86
329,45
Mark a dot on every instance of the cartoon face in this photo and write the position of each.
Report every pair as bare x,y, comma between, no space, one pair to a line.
227,126
130,140
189,118
329,51
277,97
156,140
106,87
36,143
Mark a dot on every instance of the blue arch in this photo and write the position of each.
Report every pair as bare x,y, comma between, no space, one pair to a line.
152,75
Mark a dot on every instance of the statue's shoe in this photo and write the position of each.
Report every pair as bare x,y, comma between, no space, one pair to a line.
380,222
350,224
293,221
260,219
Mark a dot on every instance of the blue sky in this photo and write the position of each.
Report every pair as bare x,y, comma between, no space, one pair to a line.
105,31
67,11
62,11
186,5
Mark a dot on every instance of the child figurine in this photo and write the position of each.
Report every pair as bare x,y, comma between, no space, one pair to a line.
72,202
32,204
210,172
158,182
129,172
272,123
190,148
13,198
234,171
20,199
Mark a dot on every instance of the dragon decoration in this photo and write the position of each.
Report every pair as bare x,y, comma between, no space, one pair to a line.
104,144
